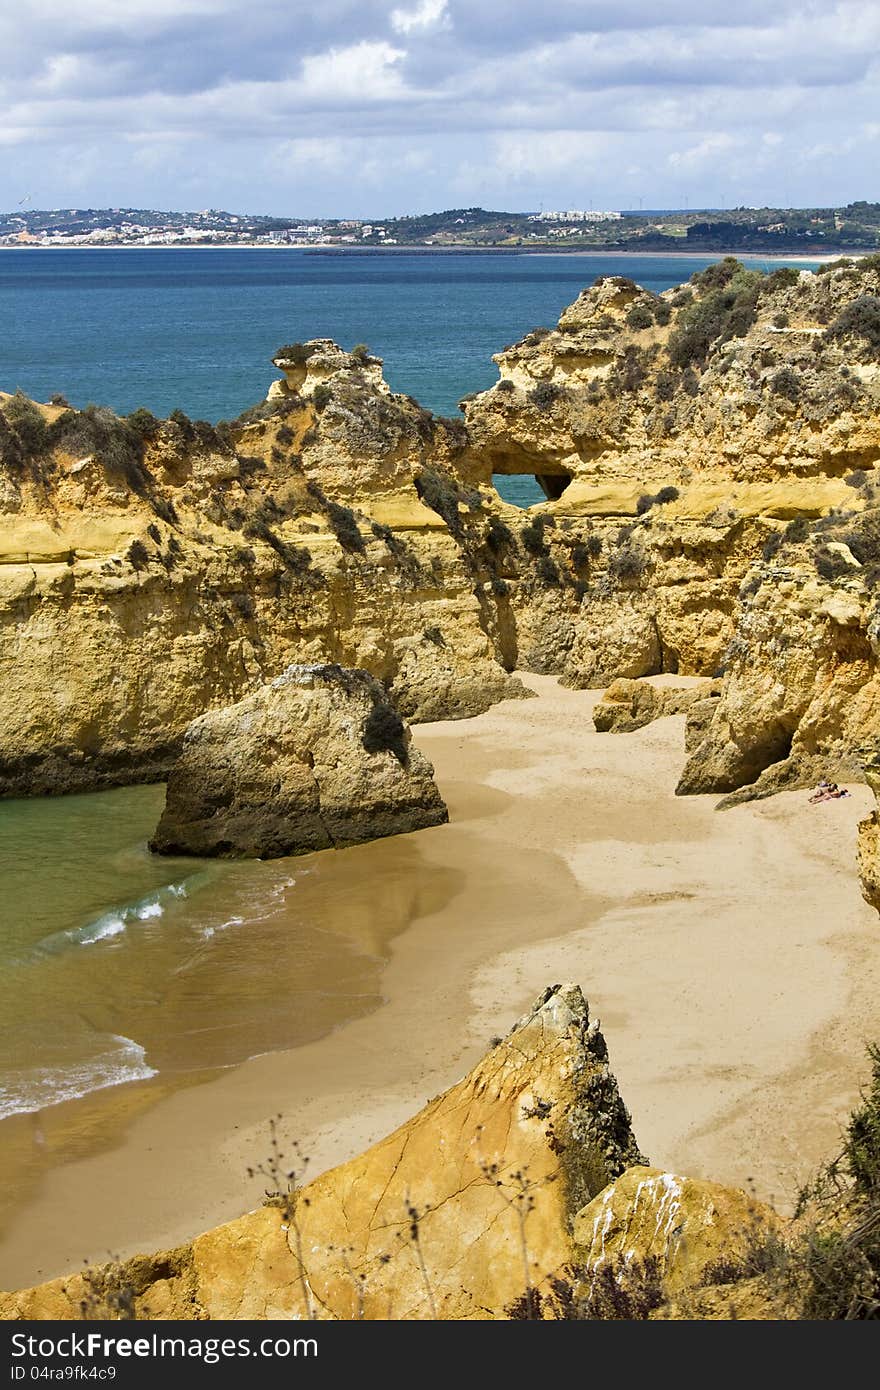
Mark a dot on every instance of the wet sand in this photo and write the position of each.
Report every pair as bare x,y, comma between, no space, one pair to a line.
730,957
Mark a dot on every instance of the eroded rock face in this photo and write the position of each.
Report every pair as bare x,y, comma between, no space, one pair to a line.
318,759
539,1124
869,844
628,705
141,585
687,1226
148,577
800,698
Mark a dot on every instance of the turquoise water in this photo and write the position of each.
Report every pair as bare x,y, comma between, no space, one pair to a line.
115,965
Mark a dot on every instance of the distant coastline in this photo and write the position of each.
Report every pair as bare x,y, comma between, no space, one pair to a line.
820,256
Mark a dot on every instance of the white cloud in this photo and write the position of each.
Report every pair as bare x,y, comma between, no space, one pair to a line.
430,14
704,153
440,101
363,71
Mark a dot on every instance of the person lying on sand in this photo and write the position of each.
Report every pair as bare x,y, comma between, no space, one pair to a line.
828,791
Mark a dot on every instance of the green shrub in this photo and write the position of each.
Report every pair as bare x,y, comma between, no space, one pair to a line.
183,423
532,535
639,316
115,442
548,571
321,398
771,545
626,1290
862,1143
29,425
545,395
797,530
627,563
505,385
719,274
859,319
829,564
783,278
664,385
437,492
243,605
649,500
690,383
164,509
498,535
726,312
298,353
345,528
137,555
786,383
143,422
662,313
342,520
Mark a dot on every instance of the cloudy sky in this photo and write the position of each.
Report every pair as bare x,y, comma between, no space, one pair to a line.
371,108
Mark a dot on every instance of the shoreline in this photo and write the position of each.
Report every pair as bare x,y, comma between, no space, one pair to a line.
729,956
821,257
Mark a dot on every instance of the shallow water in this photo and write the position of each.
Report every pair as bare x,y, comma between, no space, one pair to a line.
117,965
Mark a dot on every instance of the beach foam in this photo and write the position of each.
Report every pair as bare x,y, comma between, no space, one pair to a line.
32,1089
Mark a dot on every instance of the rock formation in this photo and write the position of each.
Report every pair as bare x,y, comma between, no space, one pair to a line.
518,1193
155,570
868,854
319,758
685,1225
631,704
429,1222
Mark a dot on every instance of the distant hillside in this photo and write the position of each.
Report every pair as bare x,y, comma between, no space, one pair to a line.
779,231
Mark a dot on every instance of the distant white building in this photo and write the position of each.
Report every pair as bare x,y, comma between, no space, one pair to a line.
575,215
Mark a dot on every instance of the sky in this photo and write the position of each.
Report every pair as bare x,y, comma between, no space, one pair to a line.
370,108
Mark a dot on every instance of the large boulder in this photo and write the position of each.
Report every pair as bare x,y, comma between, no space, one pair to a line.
628,704
318,759
692,1230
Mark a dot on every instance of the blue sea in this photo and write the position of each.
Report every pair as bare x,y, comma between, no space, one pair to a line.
114,966
196,329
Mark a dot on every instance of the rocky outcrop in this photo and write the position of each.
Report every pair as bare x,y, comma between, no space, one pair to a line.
518,1193
679,433
628,705
319,758
688,1228
150,571
868,853
448,1217
800,698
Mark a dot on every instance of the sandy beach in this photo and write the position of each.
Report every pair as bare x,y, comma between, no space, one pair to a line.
729,955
